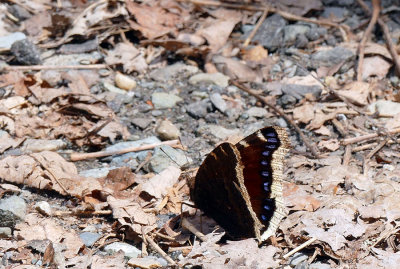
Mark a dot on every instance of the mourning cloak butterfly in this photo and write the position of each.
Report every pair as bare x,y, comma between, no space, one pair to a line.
240,185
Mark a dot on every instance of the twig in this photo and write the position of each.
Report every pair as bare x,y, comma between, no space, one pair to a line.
344,29
188,226
310,146
79,212
83,156
364,147
53,67
367,33
368,137
305,244
159,250
372,153
347,155
388,38
254,31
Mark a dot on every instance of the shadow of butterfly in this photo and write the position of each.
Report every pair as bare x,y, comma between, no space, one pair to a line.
240,187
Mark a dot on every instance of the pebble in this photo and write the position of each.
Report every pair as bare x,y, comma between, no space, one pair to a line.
162,100
7,40
166,130
331,57
129,250
199,109
89,238
257,112
385,108
111,88
5,232
97,172
319,265
125,82
15,205
44,208
166,156
218,131
217,100
270,34
73,59
142,123
297,258
171,71
52,77
214,78
292,31
156,113
299,91
38,145
25,52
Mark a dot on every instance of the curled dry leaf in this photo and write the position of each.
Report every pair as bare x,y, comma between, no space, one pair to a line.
131,214
46,170
159,185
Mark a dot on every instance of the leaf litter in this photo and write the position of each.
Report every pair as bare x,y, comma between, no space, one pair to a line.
342,206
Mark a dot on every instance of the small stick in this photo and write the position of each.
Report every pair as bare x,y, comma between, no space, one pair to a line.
347,155
77,213
53,67
84,156
364,147
305,244
310,146
188,226
372,153
388,38
357,139
159,250
367,33
254,31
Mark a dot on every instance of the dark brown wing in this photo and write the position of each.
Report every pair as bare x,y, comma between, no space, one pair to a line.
219,191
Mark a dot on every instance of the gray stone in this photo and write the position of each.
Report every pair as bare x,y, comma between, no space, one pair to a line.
43,208
97,172
316,32
165,156
38,145
297,258
25,52
217,100
257,112
162,100
5,232
166,130
218,131
199,109
156,113
52,77
111,88
385,108
319,265
336,12
290,32
299,91
89,238
214,78
171,71
7,40
15,205
142,123
128,250
331,57
270,34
